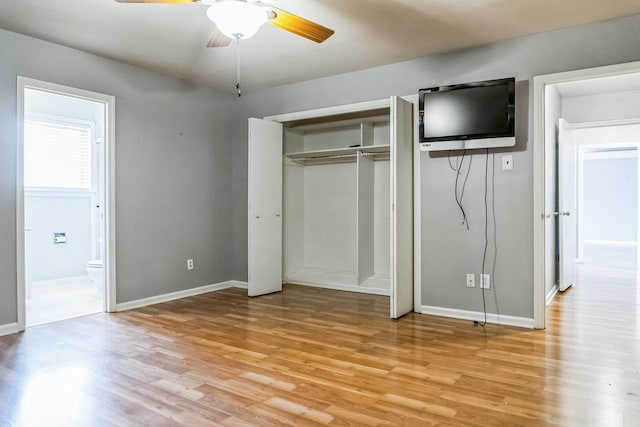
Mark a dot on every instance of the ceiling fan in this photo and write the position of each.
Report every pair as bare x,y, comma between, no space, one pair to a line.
241,19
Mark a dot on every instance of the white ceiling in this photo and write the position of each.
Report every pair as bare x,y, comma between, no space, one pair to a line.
172,39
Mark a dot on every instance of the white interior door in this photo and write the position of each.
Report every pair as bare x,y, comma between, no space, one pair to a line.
567,196
401,300
265,207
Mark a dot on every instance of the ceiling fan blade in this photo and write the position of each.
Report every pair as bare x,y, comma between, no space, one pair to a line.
218,39
159,1
300,26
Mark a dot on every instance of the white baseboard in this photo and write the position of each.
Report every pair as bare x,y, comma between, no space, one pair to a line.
626,243
180,294
322,276
552,293
498,319
340,287
238,284
9,328
338,280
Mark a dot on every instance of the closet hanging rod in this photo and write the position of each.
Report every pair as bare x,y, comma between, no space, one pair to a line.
334,156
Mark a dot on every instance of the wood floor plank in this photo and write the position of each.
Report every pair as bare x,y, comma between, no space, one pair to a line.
314,357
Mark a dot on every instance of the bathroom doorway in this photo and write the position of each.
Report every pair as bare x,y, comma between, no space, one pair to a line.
65,186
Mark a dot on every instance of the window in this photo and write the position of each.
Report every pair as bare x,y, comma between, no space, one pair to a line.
57,154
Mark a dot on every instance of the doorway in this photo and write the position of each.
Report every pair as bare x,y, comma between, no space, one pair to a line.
65,242
576,114
608,202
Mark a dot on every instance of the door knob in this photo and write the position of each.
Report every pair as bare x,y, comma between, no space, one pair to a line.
257,216
277,213
561,213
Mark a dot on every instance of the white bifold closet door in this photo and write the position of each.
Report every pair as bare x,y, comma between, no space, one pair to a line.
401,207
265,207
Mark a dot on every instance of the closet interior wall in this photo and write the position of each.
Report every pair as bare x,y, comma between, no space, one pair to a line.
336,215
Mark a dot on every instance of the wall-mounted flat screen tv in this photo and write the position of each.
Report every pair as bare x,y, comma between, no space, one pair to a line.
467,116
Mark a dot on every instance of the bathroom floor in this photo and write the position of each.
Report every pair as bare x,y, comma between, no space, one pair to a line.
60,299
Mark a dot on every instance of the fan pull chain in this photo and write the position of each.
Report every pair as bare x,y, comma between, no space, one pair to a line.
238,66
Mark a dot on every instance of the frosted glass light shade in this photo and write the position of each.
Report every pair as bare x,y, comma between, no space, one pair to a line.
237,19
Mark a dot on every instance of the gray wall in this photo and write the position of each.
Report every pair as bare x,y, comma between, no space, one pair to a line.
611,199
601,107
449,251
47,213
173,170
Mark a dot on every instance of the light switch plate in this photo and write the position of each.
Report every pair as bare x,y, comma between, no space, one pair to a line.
507,162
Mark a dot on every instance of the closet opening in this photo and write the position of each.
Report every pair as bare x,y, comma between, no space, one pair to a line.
344,178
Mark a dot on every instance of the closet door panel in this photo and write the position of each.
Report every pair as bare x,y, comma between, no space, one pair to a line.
401,207
265,207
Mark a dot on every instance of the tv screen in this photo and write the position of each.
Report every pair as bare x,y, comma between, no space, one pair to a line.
467,111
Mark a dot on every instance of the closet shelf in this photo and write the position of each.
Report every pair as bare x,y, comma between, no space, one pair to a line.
339,155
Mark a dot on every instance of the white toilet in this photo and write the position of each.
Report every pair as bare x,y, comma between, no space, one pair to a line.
96,274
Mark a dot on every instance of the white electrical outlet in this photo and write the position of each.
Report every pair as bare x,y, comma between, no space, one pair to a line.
190,264
485,281
471,280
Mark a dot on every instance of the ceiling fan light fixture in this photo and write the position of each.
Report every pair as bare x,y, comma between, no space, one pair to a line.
237,19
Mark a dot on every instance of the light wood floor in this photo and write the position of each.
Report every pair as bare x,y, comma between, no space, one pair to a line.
314,357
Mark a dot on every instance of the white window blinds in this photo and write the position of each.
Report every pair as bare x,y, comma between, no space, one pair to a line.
57,155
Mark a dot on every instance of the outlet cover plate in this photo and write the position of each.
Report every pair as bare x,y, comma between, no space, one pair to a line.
471,280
